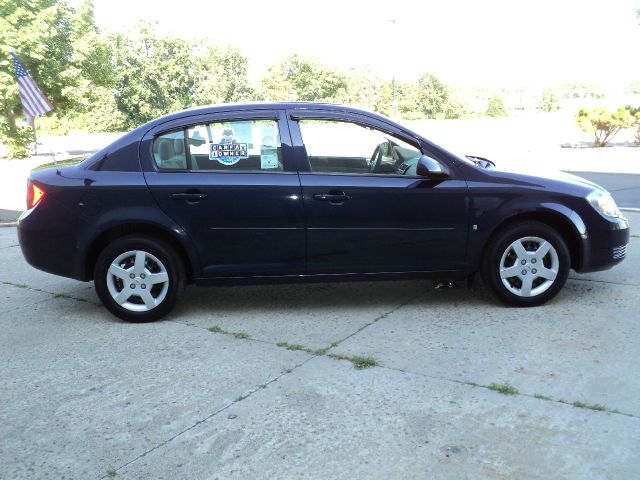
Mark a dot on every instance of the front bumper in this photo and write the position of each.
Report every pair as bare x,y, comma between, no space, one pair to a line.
605,246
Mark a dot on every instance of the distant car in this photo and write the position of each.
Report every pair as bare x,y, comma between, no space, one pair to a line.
304,191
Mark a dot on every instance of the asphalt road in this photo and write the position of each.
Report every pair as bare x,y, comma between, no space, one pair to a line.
239,382
624,187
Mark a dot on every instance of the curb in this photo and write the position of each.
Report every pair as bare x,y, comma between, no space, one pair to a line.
9,224
630,209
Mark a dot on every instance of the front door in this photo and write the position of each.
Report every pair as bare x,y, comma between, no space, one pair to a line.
226,181
367,210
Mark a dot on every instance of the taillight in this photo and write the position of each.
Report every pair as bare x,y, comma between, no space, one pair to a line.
34,194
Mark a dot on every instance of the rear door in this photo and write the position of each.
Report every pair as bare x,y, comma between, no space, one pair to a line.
367,210
226,179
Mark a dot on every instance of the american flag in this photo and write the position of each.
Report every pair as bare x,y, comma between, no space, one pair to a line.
33,100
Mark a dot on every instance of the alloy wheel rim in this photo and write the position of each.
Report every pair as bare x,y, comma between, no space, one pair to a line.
529,266
137,281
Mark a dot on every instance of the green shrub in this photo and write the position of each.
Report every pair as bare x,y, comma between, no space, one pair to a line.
604,124
496,107
635,111
17,143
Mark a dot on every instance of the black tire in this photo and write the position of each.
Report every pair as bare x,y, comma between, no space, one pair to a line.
500,255
144,300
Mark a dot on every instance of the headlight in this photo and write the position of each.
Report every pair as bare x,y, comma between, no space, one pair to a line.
604,203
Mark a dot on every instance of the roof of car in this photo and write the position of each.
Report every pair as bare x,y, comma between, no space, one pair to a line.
257,106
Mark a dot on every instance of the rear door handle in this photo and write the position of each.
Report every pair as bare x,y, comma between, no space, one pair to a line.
334,197
189,197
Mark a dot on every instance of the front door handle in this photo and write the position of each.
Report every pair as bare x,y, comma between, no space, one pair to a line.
334,197
189,197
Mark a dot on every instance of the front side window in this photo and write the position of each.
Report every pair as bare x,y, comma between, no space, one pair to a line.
349,148
245,145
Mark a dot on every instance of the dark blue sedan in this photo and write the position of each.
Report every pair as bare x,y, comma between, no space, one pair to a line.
304,191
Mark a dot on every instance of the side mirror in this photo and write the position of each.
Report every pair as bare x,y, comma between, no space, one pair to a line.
428,167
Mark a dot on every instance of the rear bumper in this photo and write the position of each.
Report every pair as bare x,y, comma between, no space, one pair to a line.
605,246
51,245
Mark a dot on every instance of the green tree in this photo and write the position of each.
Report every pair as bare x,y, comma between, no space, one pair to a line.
434,98
222,76
496,107
153,75
603,123
549,101
298,78
59,46
367,91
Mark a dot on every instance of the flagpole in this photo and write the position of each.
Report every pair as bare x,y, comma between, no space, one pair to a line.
35,136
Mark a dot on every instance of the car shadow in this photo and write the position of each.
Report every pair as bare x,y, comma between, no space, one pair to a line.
319,296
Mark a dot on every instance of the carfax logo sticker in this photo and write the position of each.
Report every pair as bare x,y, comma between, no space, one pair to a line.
228,153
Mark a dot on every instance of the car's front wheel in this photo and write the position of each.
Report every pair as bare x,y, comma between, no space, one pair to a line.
526,264
139,278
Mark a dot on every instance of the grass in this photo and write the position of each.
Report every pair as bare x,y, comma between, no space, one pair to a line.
293,346
241,397
111,473
364,362
541,397
216,329
473,384
339,356
241,335
591,406
505,388
19,285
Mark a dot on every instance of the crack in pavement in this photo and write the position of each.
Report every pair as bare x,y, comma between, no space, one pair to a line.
255,388
26,306
604,281
378,318
54,294
461,382
251,392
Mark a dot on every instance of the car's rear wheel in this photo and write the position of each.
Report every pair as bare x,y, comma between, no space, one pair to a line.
139,278
526,264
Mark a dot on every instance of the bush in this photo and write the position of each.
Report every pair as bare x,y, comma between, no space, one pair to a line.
636,115
496,107
603,123
17,143
549,101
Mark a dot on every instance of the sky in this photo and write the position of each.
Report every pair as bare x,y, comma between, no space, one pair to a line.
467,43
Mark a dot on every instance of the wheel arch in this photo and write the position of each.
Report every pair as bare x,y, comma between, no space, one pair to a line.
571,229
116,231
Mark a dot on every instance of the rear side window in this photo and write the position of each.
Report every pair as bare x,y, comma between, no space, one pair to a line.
169,152
246,145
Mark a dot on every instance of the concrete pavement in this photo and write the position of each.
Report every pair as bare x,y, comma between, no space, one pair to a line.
87,396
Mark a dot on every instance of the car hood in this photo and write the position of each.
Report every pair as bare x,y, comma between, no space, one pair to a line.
543,175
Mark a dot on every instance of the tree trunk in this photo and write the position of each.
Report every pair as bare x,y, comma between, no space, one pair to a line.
11,119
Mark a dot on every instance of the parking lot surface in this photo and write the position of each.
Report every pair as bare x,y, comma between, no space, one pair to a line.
262,381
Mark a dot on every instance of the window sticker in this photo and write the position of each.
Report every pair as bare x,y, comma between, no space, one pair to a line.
228,153
268,161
